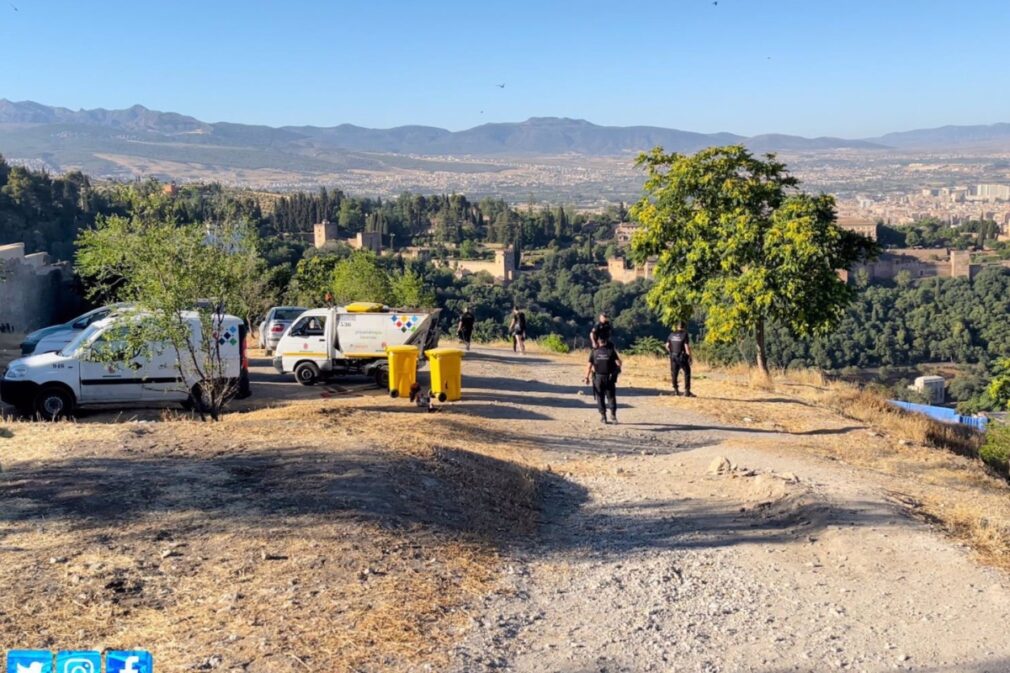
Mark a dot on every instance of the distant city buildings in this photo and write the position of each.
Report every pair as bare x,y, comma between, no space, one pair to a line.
953,205
861,226
624,231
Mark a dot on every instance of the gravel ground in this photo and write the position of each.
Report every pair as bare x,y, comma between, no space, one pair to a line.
669,544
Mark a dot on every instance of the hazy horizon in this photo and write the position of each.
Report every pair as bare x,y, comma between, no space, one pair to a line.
856,71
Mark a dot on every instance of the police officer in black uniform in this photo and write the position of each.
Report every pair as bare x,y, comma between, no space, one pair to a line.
601,332
604,366
678,345
465,328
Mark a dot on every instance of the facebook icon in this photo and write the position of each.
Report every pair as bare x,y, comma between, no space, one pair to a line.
129,661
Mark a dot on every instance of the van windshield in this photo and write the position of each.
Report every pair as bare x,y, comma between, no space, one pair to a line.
81,338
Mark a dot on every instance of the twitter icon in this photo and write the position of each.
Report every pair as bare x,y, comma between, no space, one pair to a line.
129,661
29,661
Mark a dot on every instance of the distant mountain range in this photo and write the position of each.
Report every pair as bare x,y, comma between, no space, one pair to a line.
139,141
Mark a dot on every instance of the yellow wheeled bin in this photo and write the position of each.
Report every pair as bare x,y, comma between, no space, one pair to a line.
446,365
402,369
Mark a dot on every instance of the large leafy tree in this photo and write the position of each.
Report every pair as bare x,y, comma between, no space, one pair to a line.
733,236
169,271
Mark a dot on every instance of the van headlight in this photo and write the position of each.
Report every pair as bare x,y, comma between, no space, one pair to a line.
16,372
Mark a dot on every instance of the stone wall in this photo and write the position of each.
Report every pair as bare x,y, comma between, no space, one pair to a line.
33,292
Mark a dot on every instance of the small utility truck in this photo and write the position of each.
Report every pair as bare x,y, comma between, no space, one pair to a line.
351,340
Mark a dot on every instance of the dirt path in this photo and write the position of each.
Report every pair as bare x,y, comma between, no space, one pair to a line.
646,561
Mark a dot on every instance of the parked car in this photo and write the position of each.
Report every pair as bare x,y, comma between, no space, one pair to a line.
274,325
55,337
52,385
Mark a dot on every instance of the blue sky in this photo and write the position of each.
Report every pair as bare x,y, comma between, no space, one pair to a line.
855,68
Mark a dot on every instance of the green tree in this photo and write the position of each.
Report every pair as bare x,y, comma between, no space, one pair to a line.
733,237
409,291
360,278
998,389
169,271
312,280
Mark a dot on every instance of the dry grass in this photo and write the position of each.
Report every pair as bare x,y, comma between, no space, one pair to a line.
933,466
350,538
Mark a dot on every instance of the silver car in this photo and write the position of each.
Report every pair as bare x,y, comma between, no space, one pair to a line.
55,337
275,324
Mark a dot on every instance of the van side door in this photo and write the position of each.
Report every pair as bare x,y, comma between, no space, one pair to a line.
108,372
162,379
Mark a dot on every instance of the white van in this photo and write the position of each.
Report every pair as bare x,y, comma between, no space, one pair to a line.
351,339
52,385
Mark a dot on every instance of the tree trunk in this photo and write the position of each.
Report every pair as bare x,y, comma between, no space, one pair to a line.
759,340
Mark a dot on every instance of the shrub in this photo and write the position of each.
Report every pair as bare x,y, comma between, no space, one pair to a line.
554,343
995,451
648,345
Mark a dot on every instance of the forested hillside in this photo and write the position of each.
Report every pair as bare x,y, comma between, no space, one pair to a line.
46,212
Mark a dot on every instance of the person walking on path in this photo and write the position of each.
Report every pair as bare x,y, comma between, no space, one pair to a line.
678,346
601,332
604,366
465,328
517,328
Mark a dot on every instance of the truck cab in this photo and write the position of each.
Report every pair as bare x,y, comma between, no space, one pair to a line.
352,339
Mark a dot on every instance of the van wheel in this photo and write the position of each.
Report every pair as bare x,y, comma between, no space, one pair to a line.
382,377
307,373
53,403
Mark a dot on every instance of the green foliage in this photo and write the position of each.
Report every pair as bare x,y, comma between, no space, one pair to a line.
44,212
312,280
360,278
732,238
943,320
409,290
554,343
468,249
995,451
998,389
933,233
647,346
168,269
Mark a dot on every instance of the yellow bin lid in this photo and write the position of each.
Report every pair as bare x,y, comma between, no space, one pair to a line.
364,307
438,352
402,349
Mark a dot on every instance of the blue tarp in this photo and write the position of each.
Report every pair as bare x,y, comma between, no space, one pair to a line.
943,414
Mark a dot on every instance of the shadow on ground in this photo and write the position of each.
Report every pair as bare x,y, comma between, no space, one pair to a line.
465,494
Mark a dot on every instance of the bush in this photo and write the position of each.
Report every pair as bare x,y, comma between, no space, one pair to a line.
646,346
554,343
995,451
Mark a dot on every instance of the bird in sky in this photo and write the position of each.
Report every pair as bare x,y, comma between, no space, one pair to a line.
500,86
13,7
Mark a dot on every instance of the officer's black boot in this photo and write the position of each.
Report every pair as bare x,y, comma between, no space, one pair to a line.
603,418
